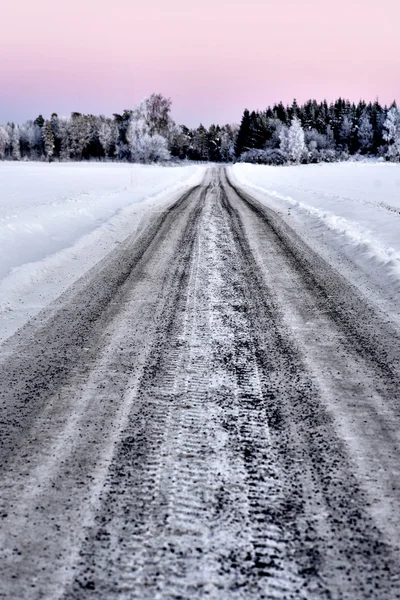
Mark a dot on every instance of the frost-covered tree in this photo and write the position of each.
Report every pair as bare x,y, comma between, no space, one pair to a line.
145,148
296,142
106,137
48,139
80,133
346,132
4,140
283,134
15,143
200,143
391,134
155,111
179,141
227,148
330,138
61,127
315,140
365,133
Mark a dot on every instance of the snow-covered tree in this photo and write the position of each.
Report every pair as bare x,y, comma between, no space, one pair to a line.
61,126
365,133
330,138
4,140
156,112
227,148
296,142
391,134
179,141
200,143
31,142
15,143
108,134
346,131
48,139
145,148
80,133
283,133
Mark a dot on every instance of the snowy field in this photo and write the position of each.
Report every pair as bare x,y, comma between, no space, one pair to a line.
58,220
347,211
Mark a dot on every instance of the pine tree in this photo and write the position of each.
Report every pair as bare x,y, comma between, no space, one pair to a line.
365,133
281,113
284,139
39,121
346,132
242,140
330,138
201,143
258,130
80,133
48,138
63,138
4,139
392,134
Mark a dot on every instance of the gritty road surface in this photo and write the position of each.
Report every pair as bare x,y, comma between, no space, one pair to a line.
212,412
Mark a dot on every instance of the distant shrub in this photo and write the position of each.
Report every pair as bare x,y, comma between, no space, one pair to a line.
327,156
272,156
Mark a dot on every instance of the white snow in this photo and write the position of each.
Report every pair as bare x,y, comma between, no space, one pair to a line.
350,213
58,220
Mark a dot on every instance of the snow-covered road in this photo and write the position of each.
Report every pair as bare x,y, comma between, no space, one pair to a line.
348,212
211,412
58,220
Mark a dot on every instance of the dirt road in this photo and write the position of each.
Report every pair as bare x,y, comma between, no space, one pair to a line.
212,412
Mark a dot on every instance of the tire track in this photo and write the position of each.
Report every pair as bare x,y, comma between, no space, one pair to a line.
204,532
341,553
243,487
64,442
242,467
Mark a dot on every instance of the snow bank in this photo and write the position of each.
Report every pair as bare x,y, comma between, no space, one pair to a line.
58,220
351,207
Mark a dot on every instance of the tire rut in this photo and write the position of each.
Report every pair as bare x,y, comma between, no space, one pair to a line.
231,478
72,337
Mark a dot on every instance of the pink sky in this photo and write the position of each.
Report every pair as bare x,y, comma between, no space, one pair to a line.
212,58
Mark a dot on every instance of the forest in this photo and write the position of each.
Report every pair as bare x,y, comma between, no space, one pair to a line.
296,134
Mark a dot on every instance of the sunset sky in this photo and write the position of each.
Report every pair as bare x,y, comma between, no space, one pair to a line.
213,58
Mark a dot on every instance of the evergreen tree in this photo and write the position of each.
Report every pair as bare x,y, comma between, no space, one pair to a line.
243,136
346,132
39,121
80,133
200,143
281,113
15,144
365,133
48,138
284,139
4,139
392,134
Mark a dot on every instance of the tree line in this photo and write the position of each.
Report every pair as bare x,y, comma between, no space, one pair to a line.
315,132
146,134
311,132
